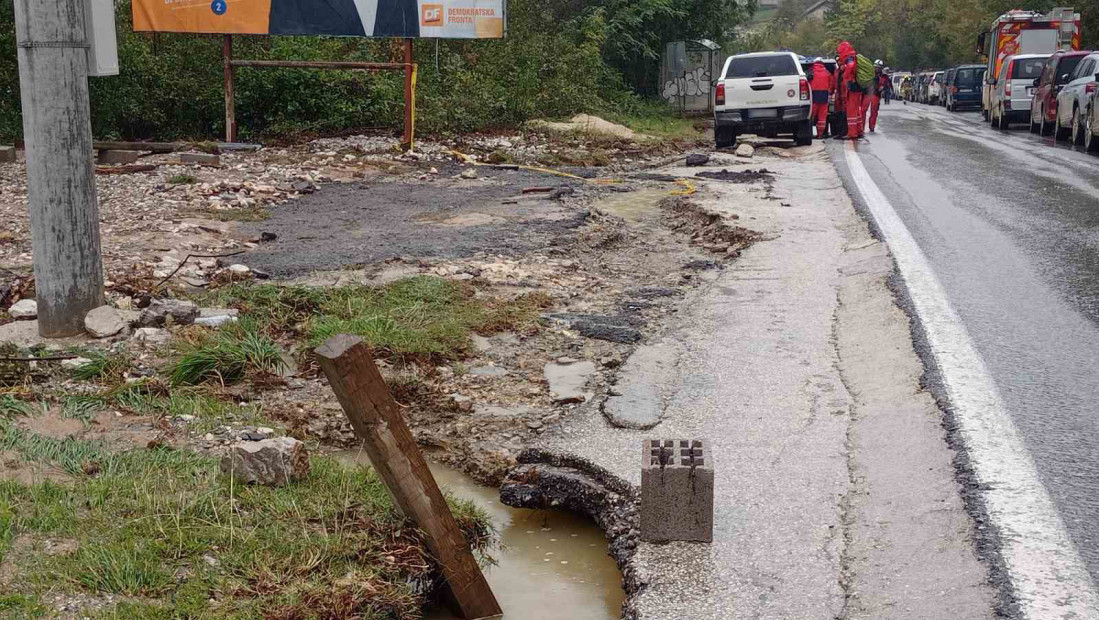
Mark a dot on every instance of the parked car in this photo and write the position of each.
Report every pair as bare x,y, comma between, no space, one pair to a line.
1074,100
920,91
1013,89
935,88
765,93
1091,122
948,83
1055,74
964,88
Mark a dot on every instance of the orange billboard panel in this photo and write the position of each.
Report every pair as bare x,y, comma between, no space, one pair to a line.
203,16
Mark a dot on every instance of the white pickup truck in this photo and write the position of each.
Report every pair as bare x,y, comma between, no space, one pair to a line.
764,93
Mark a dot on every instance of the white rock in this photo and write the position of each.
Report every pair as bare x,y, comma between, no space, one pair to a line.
104,322
75,364
240,269
469,173
152,335
24,309
745,150
214,321
273,462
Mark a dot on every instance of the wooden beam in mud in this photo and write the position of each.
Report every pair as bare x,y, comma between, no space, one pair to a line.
349,365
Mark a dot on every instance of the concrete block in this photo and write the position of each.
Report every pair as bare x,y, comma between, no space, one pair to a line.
117,158
7,154
203,159
677,491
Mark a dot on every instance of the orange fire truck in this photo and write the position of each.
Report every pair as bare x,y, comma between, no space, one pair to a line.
1026,32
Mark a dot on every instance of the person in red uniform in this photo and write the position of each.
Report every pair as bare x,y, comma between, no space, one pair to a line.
850,89
822,84
881,83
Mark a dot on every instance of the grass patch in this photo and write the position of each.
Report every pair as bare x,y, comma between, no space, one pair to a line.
12,407
109,368
227,356
182,179
165,524
423,317
233,214
21,607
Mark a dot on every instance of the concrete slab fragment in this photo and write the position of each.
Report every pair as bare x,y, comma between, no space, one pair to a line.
567,381
639,399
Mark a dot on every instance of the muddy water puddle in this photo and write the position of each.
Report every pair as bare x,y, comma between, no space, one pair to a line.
633,206
550,564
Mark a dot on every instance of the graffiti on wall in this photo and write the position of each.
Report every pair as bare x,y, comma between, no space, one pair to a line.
693,83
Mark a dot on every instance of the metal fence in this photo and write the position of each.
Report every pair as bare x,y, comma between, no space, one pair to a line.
687,75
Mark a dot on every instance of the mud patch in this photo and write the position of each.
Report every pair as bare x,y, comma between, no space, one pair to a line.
745,176
14,469
706,228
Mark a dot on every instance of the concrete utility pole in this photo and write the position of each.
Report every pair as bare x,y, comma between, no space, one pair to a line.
53,78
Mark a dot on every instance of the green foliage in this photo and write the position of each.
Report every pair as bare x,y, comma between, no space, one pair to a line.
561,57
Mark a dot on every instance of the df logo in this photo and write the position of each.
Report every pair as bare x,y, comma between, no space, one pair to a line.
219,7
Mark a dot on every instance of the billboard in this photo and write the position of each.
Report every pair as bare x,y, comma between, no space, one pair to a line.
447,19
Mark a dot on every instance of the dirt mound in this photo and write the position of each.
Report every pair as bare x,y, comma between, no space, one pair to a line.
590,124
706,228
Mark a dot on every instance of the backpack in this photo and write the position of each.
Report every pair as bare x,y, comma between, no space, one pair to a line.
864,72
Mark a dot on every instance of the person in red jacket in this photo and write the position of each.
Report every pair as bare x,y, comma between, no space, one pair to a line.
881,84
850,89
822,83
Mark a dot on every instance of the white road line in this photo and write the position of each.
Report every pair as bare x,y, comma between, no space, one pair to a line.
1049,579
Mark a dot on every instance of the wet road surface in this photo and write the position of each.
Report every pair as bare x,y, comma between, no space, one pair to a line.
1009,222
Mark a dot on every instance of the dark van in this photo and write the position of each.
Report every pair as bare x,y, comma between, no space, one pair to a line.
965,89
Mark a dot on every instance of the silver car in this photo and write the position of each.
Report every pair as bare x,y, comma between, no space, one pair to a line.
1074,100
1013,89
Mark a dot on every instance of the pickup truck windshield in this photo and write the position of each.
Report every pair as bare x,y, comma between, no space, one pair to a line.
761,66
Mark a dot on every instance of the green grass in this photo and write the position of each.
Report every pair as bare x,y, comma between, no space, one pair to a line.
109,368
227,356
424,317
234,214
12,407
21,607
166,526
182,179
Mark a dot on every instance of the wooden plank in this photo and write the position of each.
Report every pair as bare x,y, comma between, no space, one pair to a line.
409,98
349,365
150,147
227,74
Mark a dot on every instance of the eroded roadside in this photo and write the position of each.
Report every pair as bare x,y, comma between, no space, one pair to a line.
835,491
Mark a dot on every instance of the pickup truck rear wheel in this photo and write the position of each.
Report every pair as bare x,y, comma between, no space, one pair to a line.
804,134
724,137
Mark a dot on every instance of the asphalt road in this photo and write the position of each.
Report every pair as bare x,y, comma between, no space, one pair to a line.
1009,224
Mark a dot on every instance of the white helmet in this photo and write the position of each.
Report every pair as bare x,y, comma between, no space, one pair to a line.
818,59
879,63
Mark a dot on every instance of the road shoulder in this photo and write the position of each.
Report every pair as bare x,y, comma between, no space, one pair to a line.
835,493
